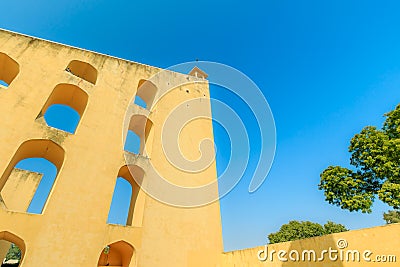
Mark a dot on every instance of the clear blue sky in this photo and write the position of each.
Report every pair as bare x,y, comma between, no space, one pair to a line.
327,69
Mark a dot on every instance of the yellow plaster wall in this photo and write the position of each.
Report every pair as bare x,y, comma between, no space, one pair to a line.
381,240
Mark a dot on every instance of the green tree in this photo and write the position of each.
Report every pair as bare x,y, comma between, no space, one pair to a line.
375,155
295,230
14,253
331,228
392,216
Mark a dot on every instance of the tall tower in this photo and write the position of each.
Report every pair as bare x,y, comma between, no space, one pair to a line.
167,225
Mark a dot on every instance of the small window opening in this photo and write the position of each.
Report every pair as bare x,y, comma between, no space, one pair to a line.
13,255
62,117
146,92
82,70
140,102
64,107
132,143
118,254
3,83
120,202
138,131
12,249
48,175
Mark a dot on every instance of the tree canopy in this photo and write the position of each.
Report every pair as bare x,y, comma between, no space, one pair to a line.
392,216
295,230
375,157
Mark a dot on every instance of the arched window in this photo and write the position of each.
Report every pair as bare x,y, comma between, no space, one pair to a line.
9,69
145,94
43,154
126,205
138,131
64,107
82,70
118,254
12,249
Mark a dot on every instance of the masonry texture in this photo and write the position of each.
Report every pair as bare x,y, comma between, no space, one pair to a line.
72,229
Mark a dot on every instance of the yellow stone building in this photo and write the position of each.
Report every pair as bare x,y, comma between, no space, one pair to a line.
72,229
166,224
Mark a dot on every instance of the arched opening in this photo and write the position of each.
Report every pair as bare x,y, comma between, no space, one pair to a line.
9,69
126,204
82,70
138,132
12,249
118,254
64,107
145,94
26,190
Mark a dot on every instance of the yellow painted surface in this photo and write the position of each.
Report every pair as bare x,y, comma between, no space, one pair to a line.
20,189
381,241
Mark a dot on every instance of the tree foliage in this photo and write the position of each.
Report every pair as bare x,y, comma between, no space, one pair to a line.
14,253
375,155
295,230
392,216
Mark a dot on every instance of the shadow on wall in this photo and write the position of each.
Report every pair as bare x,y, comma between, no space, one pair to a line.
357,248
